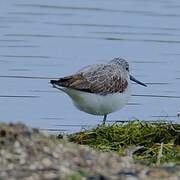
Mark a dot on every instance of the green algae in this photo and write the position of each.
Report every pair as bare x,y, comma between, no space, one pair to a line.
152,143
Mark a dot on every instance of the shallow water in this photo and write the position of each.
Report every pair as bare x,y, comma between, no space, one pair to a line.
41,40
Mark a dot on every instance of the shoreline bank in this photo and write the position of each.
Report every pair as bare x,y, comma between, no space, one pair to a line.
27,153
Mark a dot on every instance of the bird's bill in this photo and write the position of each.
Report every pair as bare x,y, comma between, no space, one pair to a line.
135,80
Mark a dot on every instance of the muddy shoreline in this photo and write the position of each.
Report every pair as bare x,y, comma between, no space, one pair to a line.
27,153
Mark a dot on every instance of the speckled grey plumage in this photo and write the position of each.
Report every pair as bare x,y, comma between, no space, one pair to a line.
102,79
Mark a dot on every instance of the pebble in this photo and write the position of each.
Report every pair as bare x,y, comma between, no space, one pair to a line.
31,155
47,162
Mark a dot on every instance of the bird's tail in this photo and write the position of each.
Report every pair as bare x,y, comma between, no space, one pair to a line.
64,82
53,82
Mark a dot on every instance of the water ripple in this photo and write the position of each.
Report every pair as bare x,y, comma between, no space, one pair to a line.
25,56
92,9
18,96
91,37
156,96
26,77
115,26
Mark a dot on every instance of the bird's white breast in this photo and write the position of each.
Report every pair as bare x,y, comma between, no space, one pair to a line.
99,104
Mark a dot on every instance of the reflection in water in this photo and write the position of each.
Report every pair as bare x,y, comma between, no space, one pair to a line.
43,41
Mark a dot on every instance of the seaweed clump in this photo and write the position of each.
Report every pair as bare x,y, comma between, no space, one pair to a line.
152,143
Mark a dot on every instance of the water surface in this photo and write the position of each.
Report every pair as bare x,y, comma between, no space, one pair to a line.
42,40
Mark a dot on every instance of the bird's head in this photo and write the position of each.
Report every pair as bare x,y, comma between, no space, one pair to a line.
125,66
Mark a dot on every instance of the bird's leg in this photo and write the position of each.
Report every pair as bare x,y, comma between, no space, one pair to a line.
104,119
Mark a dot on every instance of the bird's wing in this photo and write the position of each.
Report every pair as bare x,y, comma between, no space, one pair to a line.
98,79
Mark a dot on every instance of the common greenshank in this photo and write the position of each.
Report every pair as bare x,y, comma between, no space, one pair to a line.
99,89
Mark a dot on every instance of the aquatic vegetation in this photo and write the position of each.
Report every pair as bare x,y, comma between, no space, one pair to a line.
152,143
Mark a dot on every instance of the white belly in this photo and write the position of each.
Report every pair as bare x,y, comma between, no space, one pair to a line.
98,104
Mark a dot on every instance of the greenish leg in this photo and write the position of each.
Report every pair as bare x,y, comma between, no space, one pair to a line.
104,119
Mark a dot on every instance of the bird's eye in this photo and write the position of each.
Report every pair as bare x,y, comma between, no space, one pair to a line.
127,68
